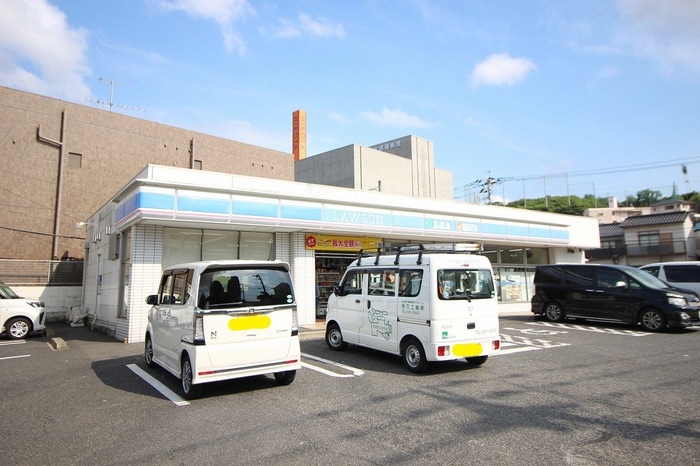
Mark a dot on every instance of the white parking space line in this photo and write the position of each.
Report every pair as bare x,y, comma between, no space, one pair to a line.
8,343
165,391
354,371
325,371
15,357
517,349
590,328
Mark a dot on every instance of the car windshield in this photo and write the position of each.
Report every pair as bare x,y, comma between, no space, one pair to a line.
7,293
235,287
465,284
645,278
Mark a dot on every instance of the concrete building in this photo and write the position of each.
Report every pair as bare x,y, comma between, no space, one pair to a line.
404,166
62,161
613,213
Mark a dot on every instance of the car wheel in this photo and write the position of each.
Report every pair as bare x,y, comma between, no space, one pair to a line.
414,356
189,390
18,328
334,338
477,360
285,378
148,353
553,312
652,320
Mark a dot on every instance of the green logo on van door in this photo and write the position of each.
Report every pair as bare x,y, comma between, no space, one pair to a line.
379,323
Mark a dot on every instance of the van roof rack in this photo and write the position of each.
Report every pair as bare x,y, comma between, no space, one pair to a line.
420,249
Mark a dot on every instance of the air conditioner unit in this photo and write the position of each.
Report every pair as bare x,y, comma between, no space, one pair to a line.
75,316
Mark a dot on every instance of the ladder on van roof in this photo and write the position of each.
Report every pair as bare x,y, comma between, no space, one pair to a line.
420,249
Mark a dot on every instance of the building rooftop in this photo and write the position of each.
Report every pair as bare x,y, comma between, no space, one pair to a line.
610,230
655,219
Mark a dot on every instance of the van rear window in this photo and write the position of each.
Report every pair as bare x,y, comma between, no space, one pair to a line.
465,284
682,273
224,288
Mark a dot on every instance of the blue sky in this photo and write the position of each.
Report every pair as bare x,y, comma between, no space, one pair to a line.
557,97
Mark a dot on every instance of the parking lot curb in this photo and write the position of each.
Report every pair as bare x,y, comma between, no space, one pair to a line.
311,334
58,343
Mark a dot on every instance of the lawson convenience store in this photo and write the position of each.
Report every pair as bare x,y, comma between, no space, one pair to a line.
166,216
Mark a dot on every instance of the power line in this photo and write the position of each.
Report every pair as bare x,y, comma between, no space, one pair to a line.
611,170
601,171
18,230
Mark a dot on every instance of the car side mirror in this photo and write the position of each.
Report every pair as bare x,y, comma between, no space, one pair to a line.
621,284
152,299
338,291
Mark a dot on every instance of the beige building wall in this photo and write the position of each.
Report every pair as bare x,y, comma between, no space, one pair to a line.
101,151
403,166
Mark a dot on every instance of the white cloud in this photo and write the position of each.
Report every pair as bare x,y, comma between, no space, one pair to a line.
501,69
223,12
320,27
395,118
40,52
667,31
307,26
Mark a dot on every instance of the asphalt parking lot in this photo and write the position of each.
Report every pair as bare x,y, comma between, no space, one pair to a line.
569,393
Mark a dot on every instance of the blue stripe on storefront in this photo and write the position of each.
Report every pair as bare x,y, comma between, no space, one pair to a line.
301,213
405,221
203,205
359,218
255,209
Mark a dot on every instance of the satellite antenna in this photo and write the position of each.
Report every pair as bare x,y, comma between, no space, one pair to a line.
111,103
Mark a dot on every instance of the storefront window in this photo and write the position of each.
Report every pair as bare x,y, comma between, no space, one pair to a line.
180,245
492,253
515,255
257,246
219,245
512,256
189,245
536,256
125,258
515,284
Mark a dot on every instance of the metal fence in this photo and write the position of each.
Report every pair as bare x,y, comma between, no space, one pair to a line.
41,273
666,248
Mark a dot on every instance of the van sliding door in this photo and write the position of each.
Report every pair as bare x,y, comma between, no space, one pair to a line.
379,323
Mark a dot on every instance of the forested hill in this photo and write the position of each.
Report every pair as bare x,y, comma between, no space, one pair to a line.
575,205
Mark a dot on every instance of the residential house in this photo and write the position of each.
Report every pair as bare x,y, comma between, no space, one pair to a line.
667,234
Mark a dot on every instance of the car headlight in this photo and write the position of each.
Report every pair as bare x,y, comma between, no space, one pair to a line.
676,300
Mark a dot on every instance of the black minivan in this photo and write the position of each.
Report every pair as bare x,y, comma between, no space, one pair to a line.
609,292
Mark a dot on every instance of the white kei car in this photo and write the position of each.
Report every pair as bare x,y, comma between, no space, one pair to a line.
19,316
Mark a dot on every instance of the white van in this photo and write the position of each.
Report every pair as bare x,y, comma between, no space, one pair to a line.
423,303
683,274
221,320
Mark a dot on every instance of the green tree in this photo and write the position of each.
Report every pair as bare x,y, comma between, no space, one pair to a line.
571,205
647,197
